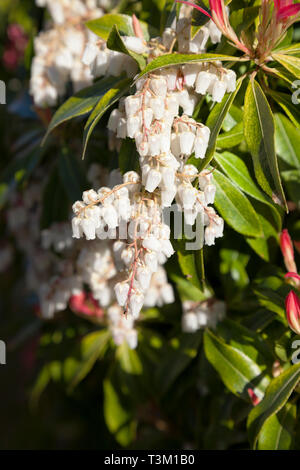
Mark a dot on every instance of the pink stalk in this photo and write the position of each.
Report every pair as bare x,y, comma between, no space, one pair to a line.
293,276
195,6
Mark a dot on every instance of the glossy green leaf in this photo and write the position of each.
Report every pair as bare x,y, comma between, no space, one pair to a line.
93,346
291,49
277,432
215,122
182,350
82,103
259,133
291,63
115,43
277,394
237,370
287,141
116,91
236,169
191,263
243,18
103,26
235,208
247,341
284,100
117,416
169,60
271,224
231,138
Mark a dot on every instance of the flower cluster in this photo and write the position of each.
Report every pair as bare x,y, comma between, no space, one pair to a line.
132,217
165,140
59,50
198,315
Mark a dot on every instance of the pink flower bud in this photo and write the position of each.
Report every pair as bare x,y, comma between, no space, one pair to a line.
137,27
85,304
287,249
287,11
253,397
292,307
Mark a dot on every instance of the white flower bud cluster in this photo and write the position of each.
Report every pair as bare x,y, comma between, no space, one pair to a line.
59,50
164,142
58,236
142,241
122,327
103,61
160,291
59,267
55,294
95,265
199,315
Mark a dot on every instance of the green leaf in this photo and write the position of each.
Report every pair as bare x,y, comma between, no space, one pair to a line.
116,91
289,62
128,156
115,43
259,133
191,263
277,432
235,208
243,18
247,341
215,122
291,49
236,169
182,350
81,103
237,370
188,291
232,138
103,26
284,100
277,394
271,225
169,60
118,417
287,141
93,346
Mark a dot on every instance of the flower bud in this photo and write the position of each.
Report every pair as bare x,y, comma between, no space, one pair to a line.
287,249
121,291
292,307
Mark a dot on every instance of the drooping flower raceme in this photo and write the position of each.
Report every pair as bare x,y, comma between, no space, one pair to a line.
59,50
158,116
198,315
